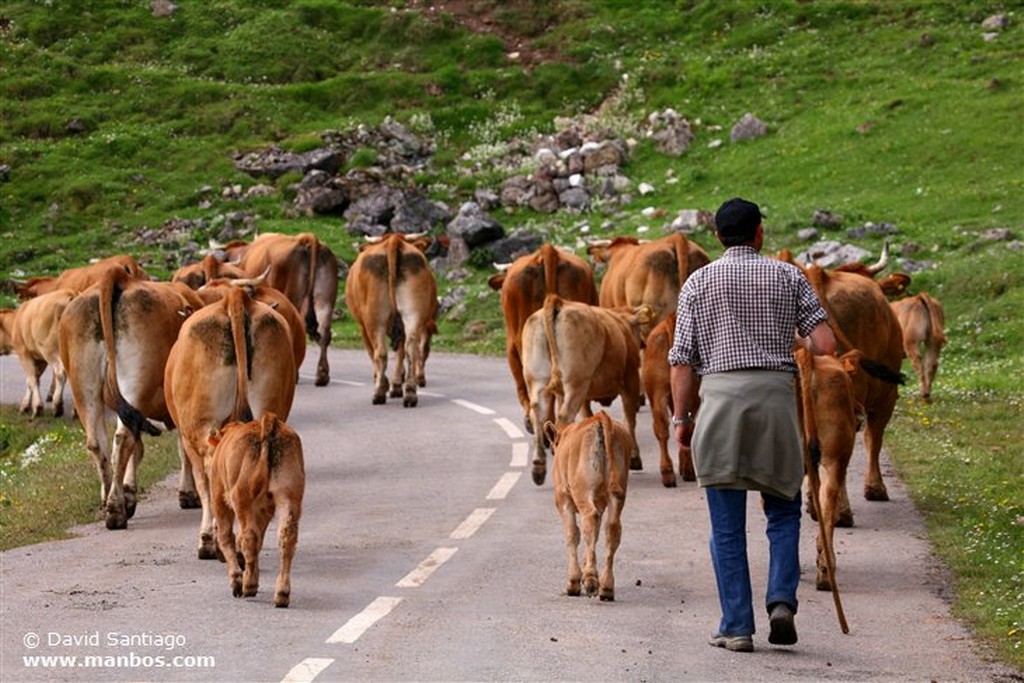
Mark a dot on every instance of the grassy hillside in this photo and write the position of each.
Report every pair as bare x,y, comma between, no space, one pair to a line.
906,112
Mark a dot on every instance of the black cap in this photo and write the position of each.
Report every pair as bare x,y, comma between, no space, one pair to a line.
738,218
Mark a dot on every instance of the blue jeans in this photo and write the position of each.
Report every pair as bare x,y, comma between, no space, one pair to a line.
728,544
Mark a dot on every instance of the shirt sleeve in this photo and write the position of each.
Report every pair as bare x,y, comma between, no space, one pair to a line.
683,351
811,313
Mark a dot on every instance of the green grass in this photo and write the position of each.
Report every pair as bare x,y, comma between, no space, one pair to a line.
891,111
47,481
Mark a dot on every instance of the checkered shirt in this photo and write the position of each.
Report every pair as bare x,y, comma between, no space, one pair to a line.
739,312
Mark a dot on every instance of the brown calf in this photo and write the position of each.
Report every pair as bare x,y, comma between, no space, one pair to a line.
31,332
257,470
921,319
654,373
590,472
829,413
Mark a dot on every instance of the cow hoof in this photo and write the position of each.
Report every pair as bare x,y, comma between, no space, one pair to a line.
281,600
590,586
116,521
573,589
37,412
250,591
322,379
689,475
236,588
844,520
876,493
396,391
379,399
58,410
410,401
668,479
130,501
538,475
188,500
208,551
635,463
607,595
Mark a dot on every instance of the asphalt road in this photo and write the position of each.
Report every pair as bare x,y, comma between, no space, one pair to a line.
426,553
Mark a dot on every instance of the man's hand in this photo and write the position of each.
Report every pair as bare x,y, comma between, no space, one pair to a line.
684,434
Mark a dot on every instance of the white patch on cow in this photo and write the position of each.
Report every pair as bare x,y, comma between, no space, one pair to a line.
357,625
418,576
504,485
306,670
472,524
472,406
510,428
520,454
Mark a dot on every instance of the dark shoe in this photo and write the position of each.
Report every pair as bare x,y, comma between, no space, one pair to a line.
732,643
783,630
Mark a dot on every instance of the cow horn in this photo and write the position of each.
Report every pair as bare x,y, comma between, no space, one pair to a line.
501,267
252,281
883,261
599,243
414,235
374,239
215,245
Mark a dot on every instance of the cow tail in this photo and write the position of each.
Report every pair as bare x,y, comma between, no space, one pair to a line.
111,290
238,321
552,305
682,246
211,268
549,259
259,482
314,258
936,323
396,328
603,452
805,410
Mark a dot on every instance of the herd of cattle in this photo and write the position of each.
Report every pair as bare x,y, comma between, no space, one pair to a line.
214,353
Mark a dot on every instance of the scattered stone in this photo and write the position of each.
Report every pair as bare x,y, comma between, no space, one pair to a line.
474,226
807,234
748,128
826,219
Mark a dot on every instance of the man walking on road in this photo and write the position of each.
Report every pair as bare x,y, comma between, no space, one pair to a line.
732,356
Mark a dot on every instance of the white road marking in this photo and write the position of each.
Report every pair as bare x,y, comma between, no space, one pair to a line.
471,524
306,670
346,382
509,427
504,485
473,406
520,454
420,574
357,625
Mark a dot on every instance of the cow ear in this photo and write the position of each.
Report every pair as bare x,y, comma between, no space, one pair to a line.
496,281
551,431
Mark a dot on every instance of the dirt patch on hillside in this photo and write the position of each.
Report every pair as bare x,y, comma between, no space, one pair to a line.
498,18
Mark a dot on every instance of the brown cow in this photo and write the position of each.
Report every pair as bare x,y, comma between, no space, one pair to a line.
30,331
81,278
114,340
829,416
257,471
195,275
232,360
654,373
306,271
862,319
590,471
523,286
391,292
574,353
646,272
922,319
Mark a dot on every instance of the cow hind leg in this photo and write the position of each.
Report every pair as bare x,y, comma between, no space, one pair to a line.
57,383
250,542
188,498
287,538
226,542
572,543
613,537
591,522
874,487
